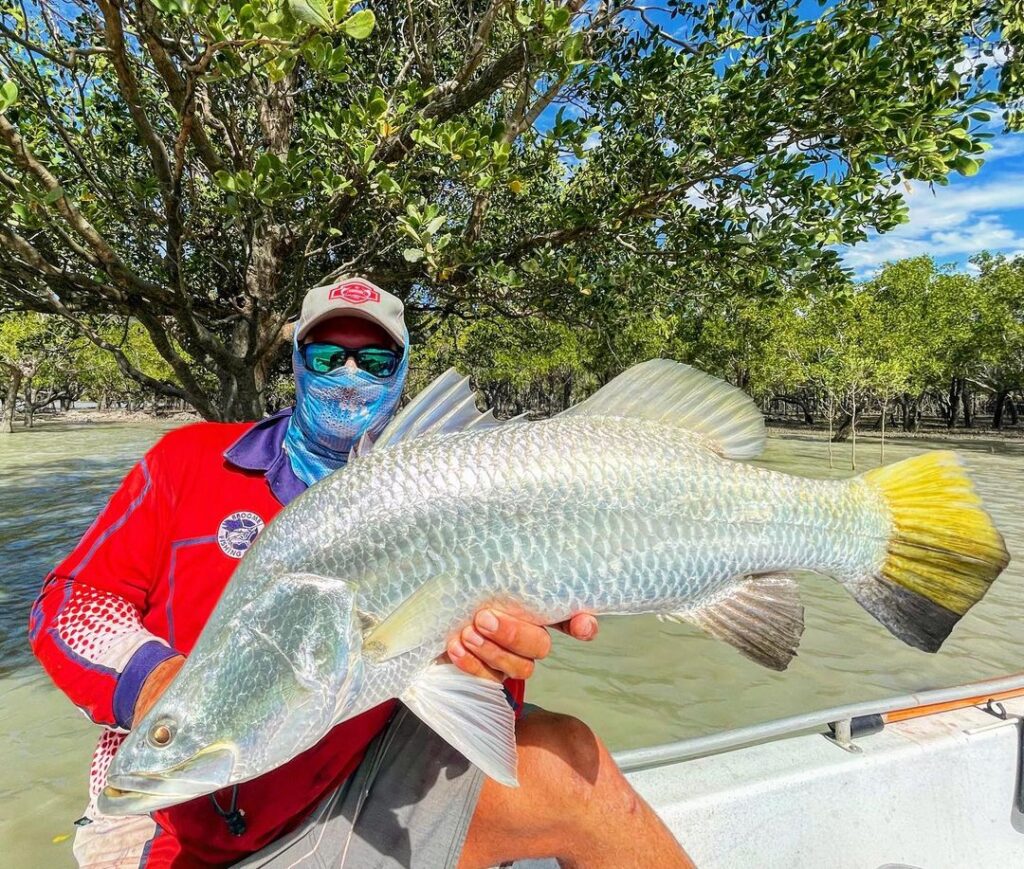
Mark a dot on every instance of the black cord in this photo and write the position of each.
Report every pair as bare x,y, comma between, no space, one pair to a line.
233,817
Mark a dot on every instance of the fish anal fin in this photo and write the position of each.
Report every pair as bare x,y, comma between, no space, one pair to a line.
675,394
762,617
471,714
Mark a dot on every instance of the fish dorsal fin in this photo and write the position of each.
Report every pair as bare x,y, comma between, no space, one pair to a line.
670,392
762,617
446,405
471,714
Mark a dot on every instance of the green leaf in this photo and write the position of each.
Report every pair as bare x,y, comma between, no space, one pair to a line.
8,95
412,254
54,195
559,18
313,12
966,166
387,183
360,25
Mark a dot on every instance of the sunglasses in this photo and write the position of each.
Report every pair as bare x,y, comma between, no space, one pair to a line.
378,361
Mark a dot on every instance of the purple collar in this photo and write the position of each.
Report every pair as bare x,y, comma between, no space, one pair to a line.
261,449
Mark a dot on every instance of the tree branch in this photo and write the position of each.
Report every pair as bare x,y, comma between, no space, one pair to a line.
27,162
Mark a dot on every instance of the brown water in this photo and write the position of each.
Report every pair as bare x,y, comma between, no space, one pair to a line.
641,682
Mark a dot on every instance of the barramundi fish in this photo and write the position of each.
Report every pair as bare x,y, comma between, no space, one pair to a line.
637,500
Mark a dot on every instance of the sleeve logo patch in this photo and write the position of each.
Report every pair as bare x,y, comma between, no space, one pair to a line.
237,533
354,292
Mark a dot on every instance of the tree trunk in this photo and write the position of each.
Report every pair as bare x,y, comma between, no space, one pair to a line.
881,450
12,399
915,414
853,429
830,464
30,408
842,431
997,414
967,400
954,402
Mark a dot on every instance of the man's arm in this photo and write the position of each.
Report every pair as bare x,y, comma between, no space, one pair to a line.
86,625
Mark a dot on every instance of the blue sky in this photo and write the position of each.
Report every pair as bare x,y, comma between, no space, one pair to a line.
955,222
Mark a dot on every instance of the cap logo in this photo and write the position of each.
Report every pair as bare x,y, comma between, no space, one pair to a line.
355,293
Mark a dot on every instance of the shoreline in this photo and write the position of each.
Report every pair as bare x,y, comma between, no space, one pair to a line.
84,417
816,432
774,428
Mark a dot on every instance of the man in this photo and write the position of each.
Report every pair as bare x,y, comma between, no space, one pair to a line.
115,619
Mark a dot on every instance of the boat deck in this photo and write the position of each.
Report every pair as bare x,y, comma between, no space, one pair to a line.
933,792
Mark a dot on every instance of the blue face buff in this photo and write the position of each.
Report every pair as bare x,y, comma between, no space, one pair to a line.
333,410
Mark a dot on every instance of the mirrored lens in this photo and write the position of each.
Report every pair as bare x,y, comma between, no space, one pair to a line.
322,358
377,361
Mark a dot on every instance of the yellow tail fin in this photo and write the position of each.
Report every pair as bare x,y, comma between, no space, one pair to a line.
943,555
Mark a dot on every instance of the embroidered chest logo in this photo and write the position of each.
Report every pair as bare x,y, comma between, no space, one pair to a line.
354,292
237,533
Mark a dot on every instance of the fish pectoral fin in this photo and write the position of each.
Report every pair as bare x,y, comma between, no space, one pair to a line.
471,714
408,627
762,617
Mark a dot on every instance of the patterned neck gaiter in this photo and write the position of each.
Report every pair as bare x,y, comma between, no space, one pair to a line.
333,410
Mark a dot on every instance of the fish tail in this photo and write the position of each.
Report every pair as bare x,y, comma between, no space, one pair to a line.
942,555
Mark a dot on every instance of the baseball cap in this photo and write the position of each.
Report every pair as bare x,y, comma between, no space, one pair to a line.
352,297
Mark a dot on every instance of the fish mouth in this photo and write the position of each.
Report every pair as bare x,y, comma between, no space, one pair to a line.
138,793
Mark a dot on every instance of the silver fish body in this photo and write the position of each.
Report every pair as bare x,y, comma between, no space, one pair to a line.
561,516
600,513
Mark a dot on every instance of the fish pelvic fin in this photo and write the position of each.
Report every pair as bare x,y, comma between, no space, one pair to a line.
943,554
675,394
471,714
762,617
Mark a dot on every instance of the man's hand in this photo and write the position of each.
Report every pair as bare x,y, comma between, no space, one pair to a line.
498,645
155,685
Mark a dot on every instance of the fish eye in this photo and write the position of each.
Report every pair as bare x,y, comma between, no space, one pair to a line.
161,734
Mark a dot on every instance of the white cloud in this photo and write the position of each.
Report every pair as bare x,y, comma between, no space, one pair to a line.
956,221
1005,146
995,55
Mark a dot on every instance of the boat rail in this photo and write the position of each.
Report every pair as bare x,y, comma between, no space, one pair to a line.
837,716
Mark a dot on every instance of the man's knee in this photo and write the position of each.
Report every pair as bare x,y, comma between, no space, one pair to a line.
560,751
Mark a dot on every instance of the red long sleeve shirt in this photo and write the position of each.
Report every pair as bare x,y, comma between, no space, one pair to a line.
139,588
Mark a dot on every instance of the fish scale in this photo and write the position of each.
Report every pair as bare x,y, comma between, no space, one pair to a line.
634,501
626,483
639,517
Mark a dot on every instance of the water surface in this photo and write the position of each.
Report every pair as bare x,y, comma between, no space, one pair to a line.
641,682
